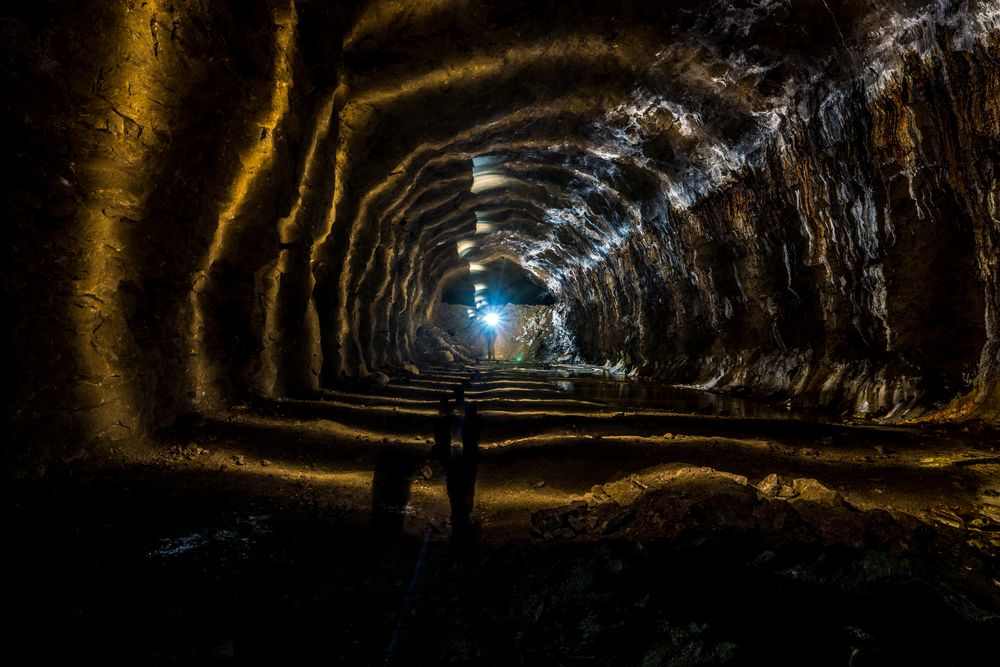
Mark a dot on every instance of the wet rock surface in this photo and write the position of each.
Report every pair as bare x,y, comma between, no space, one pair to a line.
266,197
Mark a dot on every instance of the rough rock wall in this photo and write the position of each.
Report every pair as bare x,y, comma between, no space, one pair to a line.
854,267
161,162
776,197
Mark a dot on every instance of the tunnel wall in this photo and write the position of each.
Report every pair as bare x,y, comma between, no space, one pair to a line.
170,170
855,267
213,200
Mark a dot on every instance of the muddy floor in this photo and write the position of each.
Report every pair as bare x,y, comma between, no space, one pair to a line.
609,527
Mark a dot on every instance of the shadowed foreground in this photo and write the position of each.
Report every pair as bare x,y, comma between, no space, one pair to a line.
602,535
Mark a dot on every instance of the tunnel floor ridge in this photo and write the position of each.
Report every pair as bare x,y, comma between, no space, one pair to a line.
304,526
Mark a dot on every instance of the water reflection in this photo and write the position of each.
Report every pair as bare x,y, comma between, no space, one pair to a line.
633,394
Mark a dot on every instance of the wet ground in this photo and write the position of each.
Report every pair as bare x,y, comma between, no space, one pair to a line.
614,524
631,394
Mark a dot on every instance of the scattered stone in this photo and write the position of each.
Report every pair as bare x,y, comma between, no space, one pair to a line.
991,513
811,490
553,520
624,491
617,520
546,522
777,486
881,450
265,462
411,368
427,472
598,494
539,484
668,436
239,459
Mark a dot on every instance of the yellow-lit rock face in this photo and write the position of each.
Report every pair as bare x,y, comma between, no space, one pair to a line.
214,199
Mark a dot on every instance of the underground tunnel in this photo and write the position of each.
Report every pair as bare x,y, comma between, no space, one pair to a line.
498,332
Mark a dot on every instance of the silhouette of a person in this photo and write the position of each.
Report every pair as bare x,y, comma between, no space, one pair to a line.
441,451
461,476
394,471
491,339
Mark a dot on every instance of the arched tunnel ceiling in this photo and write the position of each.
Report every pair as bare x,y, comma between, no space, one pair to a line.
584,106
582,139
496,281
585,139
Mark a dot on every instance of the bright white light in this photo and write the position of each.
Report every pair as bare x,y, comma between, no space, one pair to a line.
492,319
465,246
483,223
481,287
482,162
476,267
489,180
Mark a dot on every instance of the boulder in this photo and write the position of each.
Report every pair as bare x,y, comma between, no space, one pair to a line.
811,490
378,379
777,486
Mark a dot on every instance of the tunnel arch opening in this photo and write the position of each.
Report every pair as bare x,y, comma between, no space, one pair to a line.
499,282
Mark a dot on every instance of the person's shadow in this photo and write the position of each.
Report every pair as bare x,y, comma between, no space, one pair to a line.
395,468
461,480
441,451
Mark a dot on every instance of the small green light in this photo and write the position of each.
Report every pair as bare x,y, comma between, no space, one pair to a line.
517,359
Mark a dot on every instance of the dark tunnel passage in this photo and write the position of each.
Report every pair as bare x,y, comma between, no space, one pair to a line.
362,330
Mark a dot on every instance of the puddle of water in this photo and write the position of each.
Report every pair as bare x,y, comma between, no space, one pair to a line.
631,394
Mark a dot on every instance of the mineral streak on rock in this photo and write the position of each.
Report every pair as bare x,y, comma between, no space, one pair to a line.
797,200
